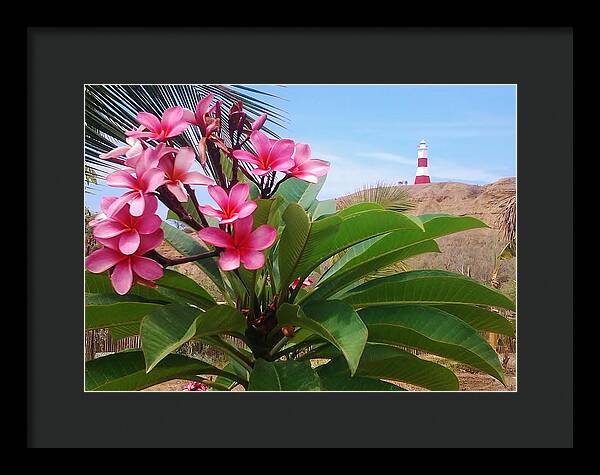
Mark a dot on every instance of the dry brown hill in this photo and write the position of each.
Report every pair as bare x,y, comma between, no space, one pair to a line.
471,251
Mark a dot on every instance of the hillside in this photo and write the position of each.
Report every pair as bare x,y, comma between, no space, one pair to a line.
471,251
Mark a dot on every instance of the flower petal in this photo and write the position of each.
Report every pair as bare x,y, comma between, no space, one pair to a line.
261,144
129,242
261,238
261,171
115,152
196,178
216,237
183,160
302,153
259,122
147,268
282,165
203,105
178,129
210,211
247,209
106,201
238,195
171,117
109,228
103,259
118,204
230,259
252,259
122,179
150,241
152,179
122,277
178,190
137,205
282,151
189,116
219,195
148,224
244,156
148,120
309,177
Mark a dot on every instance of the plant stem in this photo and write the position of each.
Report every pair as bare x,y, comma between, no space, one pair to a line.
167,262
171,202
278,346
231,351
192,195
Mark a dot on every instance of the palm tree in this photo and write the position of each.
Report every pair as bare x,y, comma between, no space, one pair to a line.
391,197
111,109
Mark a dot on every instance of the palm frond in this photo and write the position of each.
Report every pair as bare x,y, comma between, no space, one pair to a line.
111,109
391,197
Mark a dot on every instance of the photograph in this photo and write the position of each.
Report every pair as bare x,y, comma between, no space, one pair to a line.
299,238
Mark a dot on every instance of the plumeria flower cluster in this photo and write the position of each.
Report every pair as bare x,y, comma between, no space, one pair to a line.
154,168
195,386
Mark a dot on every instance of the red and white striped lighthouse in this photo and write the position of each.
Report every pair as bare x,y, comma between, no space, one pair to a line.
422,171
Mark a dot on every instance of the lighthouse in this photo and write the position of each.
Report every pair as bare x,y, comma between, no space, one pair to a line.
422,175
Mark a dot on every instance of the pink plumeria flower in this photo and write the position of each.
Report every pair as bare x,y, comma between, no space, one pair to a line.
195,386
133,150
129,229
232,206
271,155
146,180
203,116
169,125
244,246
127,268
178,175
306,168
305,283
151,155
105,203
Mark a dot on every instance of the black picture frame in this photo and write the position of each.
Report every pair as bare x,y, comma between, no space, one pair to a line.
62,60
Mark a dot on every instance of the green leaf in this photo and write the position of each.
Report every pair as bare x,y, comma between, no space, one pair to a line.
283,376
188,246
300,191
189,207
186,288
235,368
292,243
391,363
384,250
336,382
480,318
112,310
100,284
321,208
127,372
434,287
169,327
331,235
335,321
358,208
434,331
266,211
353,273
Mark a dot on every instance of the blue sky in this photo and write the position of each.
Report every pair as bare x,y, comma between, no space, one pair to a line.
371,133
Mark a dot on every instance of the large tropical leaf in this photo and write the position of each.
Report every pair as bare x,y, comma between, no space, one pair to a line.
381,251
127,371
333,320
299,191
331,381
189,246
391,363
434,331
112,310
435,287
283,376
170,326
292,243
480,318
